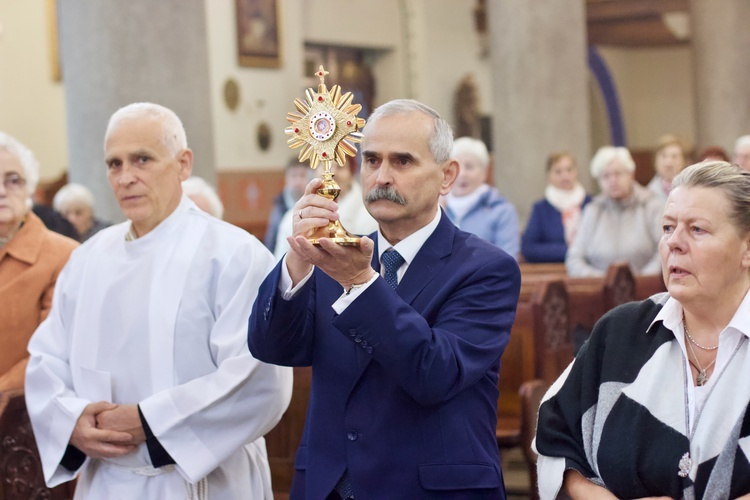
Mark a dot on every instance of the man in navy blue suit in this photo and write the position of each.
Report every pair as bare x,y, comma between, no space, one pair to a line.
404,332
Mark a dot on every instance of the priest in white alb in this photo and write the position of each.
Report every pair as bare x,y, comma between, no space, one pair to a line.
140,382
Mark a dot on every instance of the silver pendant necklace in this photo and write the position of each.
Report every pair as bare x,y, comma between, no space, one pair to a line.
705,348
702,377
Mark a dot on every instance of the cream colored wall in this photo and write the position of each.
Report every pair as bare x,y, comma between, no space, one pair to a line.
451,49
268,94
655,87
265,94
32,106
423,47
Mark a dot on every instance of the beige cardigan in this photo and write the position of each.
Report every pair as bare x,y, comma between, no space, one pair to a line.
29,265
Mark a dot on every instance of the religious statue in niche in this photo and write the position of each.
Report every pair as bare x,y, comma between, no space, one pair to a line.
358,78
466,109
480,24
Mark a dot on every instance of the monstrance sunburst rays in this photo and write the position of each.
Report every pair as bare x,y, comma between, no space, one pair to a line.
325,124
326,127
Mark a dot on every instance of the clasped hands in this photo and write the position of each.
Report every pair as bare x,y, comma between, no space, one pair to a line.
348,265
107,430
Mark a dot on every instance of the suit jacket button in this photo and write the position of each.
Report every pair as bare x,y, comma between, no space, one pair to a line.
352,332
358,339
352,436
364,343
369,349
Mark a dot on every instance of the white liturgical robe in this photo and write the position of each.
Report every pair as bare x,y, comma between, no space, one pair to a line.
160,321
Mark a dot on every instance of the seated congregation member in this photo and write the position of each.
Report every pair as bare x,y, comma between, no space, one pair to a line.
54,221
352,212
404,332
31,257
475,206
554,219
295,180
620,224
657,403
670,158
140,382
713,153
76,203
203,195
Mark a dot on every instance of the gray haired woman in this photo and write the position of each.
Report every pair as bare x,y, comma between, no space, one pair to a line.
76,203
31,257
619,225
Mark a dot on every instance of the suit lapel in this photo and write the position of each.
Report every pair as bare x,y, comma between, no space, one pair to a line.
427,264
429,261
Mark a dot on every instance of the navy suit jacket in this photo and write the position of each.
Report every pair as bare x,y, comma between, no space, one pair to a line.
404,388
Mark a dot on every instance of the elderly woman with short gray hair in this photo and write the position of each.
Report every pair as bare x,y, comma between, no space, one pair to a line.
619,225
31,257
475,206
76,203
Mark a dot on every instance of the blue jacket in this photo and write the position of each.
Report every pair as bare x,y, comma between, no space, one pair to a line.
494,219
544,238
404,382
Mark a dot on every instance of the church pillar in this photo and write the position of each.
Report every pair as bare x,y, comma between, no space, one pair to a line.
721,62
114,53
540,93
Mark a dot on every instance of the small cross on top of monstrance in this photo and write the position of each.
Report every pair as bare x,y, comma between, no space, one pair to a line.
326,127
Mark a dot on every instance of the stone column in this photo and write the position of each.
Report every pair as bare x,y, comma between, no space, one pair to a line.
115,52
721,62
540,93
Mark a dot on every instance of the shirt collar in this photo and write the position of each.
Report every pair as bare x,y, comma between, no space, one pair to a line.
409,246
671,317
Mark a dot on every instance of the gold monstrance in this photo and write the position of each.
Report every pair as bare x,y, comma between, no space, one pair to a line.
325,127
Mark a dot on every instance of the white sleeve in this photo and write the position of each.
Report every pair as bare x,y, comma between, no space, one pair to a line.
52,404
202,422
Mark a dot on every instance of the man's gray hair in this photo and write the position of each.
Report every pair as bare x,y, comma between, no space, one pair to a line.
174,138
440,141
28,162
72,193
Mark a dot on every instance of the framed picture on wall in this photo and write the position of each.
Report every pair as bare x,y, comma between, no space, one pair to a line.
258,33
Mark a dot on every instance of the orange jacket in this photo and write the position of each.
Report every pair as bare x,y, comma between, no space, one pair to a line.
29,265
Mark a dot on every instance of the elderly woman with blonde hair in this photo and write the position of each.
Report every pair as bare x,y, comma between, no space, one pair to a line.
31,257
619,225
654,404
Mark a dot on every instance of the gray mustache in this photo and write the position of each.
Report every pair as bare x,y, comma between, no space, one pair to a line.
387,193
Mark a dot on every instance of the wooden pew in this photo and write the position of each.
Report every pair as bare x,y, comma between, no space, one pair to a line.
21,474
646,286
550,307
590,298
282,442
540,347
